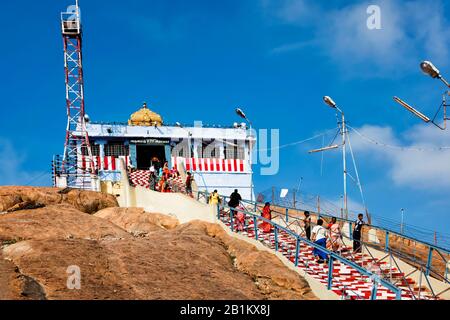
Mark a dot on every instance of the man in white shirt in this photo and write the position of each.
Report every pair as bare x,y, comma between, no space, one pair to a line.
319,236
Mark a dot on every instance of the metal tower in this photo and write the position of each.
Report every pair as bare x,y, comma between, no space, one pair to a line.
77,149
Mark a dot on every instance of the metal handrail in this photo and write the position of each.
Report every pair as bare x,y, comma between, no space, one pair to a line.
388,248
435,247
398,253
332,256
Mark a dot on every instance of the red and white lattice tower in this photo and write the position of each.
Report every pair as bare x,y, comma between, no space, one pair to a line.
77,147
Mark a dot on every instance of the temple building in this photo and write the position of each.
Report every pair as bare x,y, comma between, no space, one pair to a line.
218,157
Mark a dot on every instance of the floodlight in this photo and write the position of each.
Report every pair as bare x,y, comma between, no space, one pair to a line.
335,146
412,110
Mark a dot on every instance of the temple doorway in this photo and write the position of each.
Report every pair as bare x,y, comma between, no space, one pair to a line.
146,153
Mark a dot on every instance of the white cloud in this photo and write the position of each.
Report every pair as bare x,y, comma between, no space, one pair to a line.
427,169
12,168
409,31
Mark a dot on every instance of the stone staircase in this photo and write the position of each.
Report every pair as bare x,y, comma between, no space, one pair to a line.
141,178
347,282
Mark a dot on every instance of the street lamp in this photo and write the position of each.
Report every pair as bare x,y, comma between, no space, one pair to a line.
241,114
343,128
430,69
330,102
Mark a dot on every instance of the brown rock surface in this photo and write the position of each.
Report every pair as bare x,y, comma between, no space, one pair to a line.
197,260
9,282
56,222
85,201
136,221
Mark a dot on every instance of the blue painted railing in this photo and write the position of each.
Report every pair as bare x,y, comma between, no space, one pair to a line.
332,256
387,246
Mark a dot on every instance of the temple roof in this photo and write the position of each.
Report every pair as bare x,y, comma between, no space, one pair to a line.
145,117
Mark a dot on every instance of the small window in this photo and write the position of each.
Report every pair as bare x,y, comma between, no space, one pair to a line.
234,149
209,149
116,150
95,149
180,149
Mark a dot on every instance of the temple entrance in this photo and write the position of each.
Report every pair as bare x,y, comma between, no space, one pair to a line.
146,153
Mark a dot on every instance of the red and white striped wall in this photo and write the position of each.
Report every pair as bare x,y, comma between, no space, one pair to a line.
109,163
211,165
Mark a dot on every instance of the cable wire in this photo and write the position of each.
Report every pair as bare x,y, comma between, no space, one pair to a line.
419,149
298,142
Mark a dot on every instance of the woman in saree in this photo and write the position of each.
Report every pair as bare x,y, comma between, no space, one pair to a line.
266,214
335,235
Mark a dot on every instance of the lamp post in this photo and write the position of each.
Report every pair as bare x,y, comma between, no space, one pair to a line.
241,114
333,105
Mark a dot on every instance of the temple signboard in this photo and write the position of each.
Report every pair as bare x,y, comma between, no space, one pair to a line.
150,141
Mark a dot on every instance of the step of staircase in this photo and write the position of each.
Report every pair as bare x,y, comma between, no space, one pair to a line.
347,281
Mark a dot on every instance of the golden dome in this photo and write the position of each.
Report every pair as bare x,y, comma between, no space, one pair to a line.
145,117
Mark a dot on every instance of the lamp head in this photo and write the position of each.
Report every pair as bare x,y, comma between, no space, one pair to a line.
178,124
430,69
241,113
329,102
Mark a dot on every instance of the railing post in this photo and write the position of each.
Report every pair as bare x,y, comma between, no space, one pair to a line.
330,272
373,295
297,251
287,215
398,294
430,258
255,208
350,231
386,244
447,270
276,238
231,219
245,223
255,225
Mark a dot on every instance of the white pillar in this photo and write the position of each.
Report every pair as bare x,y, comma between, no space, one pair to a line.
102,154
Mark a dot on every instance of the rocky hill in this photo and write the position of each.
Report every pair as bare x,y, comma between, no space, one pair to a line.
126,253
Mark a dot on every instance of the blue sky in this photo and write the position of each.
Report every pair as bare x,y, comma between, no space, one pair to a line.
198,60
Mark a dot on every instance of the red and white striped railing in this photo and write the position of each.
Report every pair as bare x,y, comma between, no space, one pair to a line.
111,163
211,165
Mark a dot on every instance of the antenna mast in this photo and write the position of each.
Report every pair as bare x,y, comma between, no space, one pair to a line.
77,148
